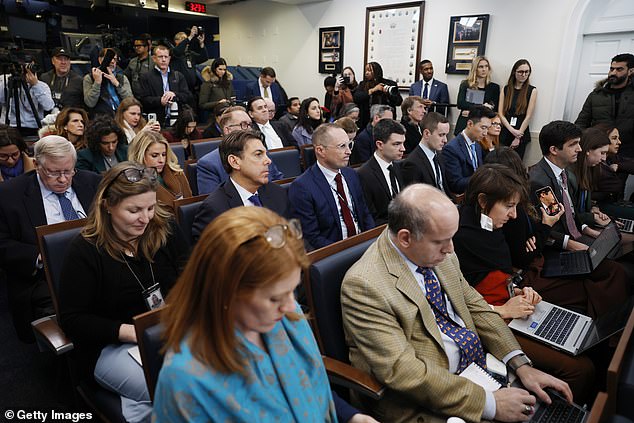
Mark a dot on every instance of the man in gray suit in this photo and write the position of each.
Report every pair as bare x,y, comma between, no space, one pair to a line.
394,301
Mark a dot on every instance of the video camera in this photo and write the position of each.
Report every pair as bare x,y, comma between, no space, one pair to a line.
17,64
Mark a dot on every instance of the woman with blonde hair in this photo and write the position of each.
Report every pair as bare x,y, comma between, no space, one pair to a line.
123,263
130,119
479,79
238,346
152,150
71,123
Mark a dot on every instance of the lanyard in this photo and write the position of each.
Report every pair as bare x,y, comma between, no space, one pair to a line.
136,277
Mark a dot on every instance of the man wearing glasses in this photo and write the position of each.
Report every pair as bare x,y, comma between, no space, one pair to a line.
328,198
141,63
243,156
209,171
54,192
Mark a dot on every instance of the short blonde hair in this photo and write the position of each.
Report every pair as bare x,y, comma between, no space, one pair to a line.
54,146
180,36
143,140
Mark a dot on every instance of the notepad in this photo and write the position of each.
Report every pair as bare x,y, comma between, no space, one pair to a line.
478,375
475,96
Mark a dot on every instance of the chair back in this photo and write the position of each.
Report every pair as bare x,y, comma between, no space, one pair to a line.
307,154
322,283
202,147
148,335
185,210
191,173
287,161
620,377
179,151
285,183
53,241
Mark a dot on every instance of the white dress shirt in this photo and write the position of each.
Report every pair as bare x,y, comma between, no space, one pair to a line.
430,154
270,136
422,87
386,173
244,194
330,178
53,209
469,144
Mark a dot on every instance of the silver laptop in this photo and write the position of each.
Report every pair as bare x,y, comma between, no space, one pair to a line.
568,331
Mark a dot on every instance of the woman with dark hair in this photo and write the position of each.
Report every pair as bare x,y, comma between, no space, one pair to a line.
494,195
13,159
309,119
375,89
516,106
238,346
492,139
185,130
129,117
217,86
613,174
479,79
71,124
107,146
124,263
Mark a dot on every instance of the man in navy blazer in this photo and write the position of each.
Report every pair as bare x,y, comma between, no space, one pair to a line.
463,154
243,156
210,173
437,91
267,87
29,201
328,215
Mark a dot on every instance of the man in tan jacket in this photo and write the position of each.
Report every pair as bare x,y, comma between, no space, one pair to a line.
392,328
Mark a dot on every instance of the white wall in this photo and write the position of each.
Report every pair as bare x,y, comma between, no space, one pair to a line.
261,33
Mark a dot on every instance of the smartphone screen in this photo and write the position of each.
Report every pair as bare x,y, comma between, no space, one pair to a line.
548,200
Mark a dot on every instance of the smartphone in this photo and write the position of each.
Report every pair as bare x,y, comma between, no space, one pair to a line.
107,58
548,200
151,117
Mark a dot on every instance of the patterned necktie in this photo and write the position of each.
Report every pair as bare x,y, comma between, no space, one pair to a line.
255,199
438,174
466,340
474,156
67,207
393,182
425,90
266,92
345,209
570,220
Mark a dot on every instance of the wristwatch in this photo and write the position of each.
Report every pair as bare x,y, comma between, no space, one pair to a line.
518,361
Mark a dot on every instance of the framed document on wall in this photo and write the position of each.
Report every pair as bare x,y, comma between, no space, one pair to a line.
392,39
467,40
331,49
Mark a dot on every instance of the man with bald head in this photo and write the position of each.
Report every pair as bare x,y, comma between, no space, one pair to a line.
52,193
328,198
414,323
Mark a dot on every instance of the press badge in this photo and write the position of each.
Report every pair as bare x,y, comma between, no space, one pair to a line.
189,63
153,297
513,121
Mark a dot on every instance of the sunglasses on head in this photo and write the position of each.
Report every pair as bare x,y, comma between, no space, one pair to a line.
133,174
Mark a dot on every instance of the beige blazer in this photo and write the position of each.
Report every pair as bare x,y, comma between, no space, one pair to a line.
392,333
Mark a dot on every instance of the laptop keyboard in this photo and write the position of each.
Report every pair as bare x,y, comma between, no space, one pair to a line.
573,262
558,412
556,327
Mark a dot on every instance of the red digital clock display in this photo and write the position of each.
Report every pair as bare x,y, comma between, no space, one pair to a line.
195,7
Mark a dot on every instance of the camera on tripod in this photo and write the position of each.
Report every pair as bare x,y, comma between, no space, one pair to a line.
17,66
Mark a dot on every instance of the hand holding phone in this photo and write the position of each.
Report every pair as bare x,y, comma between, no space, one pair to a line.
548,201
151,117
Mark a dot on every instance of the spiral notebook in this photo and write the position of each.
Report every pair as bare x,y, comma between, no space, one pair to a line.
478,375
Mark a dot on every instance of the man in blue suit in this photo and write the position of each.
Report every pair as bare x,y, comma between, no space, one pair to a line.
463,154
429,89
209,172
328,198
267,87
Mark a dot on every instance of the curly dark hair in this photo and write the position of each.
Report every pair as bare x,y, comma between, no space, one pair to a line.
99,128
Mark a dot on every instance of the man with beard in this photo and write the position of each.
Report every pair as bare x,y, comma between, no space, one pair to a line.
612,101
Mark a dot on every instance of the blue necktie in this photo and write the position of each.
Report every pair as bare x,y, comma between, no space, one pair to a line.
67,207
474,158
255,199
425,92
467,340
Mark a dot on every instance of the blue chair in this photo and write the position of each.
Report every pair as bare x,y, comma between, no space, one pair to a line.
185,210
202,147
179,151
191,172
287,161
307,154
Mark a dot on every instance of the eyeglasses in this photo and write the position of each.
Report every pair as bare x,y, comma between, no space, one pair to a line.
342,146
133,174
13,156
277,235
59,173
523,72
242,125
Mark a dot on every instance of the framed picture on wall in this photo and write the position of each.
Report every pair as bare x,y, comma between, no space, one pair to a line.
331,49
467,39
392,39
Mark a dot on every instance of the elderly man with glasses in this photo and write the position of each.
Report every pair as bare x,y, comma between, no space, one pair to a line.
54,192
328,198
